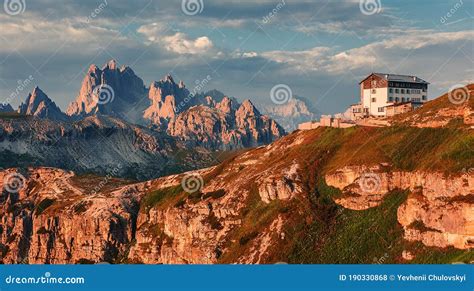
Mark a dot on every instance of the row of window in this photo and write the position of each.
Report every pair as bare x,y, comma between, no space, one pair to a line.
403,99
405,91
401,91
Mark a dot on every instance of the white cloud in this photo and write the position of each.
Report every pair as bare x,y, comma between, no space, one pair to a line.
45,36
180,43
376,55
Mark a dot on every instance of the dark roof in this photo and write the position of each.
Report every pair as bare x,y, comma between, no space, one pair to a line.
397,78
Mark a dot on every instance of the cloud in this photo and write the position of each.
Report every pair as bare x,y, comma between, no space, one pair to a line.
375,55
180,43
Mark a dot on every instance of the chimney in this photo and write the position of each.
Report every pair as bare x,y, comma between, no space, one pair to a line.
414,78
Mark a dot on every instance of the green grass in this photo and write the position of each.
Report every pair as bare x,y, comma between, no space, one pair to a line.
344,236
159,197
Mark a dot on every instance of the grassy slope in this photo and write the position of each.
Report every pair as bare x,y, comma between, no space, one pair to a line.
317,229
431,108
339,235
320,231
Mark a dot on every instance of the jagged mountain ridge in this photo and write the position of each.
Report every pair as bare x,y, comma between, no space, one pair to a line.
96,144
5,108
270,204
318,196
220,125
297,110
163,106
38,104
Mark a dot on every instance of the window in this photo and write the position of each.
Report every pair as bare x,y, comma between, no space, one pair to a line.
403,99
390,99
374,91
381,109
397,99
403,91
396,91
374,99
390,90
408,91
423,97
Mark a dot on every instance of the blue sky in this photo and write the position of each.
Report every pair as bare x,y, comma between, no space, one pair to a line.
321,49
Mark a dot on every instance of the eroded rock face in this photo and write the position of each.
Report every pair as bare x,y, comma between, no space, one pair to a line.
5,107
58,217
97,144
48,218
167,100
121,95
218,126
39,105
438,212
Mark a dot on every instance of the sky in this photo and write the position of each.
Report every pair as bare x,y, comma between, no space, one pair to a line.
319,49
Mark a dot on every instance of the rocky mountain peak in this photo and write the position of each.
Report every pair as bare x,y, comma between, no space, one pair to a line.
123,90
226,105
5,107
40,105
111,65
247,109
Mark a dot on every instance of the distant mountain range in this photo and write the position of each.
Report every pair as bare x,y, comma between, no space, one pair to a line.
297,110
114,104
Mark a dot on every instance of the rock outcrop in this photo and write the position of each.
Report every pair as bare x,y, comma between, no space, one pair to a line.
112,91
97,144
218,126
39,105
167,100
289,115
439,210
5,108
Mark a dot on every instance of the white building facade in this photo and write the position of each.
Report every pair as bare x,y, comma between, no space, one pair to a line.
377,91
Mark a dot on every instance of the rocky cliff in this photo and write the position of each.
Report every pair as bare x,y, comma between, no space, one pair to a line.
297,110
219,125
310,197
5,108
112,91
453,109
38,104
97,144
439,210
